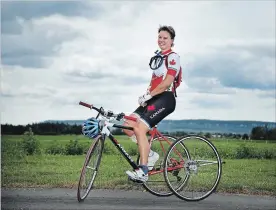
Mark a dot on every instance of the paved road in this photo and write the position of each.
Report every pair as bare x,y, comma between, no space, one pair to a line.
110,199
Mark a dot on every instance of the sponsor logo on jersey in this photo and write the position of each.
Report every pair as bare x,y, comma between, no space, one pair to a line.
156,113
151,108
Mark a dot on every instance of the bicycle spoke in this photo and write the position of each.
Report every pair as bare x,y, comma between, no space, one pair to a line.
206,162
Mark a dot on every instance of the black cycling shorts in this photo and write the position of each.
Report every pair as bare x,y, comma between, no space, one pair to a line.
158,107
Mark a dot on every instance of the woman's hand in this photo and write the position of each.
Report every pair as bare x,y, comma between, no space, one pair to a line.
142,99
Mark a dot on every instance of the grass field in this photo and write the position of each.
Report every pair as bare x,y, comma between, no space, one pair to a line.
247,175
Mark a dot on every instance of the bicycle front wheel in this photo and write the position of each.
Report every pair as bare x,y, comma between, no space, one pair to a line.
90,168
200,172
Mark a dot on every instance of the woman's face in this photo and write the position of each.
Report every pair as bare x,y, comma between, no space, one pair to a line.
164,40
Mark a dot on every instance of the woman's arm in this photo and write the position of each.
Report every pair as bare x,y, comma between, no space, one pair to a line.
164,85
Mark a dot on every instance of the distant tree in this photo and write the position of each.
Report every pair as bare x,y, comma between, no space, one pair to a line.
245,136
208,135
180,133
258,133
271,134
201,133
9,129
229,135
41,129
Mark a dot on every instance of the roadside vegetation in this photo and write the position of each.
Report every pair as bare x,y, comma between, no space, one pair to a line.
31,160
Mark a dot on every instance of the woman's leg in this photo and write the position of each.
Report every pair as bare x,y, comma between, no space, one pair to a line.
141,174
140,131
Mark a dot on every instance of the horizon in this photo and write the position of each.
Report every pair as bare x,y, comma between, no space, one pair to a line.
248,121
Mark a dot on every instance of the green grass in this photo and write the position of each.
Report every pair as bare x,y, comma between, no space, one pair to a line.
249,175
18,170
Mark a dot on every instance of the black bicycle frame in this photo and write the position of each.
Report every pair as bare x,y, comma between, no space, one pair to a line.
120,147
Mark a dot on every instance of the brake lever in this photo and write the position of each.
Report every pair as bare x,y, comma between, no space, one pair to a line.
108,114
120,116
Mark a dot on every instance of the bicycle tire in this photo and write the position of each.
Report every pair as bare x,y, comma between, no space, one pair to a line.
147,185
195,164
98,142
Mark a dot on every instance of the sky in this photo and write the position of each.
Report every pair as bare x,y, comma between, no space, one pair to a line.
55,54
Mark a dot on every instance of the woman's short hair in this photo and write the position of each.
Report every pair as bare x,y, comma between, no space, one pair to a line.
169,29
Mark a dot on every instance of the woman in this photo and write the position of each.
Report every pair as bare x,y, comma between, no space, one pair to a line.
158,102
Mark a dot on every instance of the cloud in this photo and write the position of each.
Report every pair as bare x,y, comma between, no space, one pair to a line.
210,85
238,65
268,94
38,40
211,101
11,10
56,55
244,104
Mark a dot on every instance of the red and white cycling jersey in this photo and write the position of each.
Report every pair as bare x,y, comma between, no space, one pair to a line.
173,69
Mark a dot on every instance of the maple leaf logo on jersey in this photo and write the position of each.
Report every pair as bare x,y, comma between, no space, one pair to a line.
151,108
172,62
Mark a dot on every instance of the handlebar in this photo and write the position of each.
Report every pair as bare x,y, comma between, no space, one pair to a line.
90,106
108,113
86,105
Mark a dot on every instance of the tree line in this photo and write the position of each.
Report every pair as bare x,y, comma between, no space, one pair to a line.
46,128
49,128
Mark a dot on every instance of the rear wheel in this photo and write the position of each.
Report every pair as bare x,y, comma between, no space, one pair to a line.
200,172
90,168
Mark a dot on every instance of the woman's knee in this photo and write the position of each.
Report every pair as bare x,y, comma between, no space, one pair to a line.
130,123
140,129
